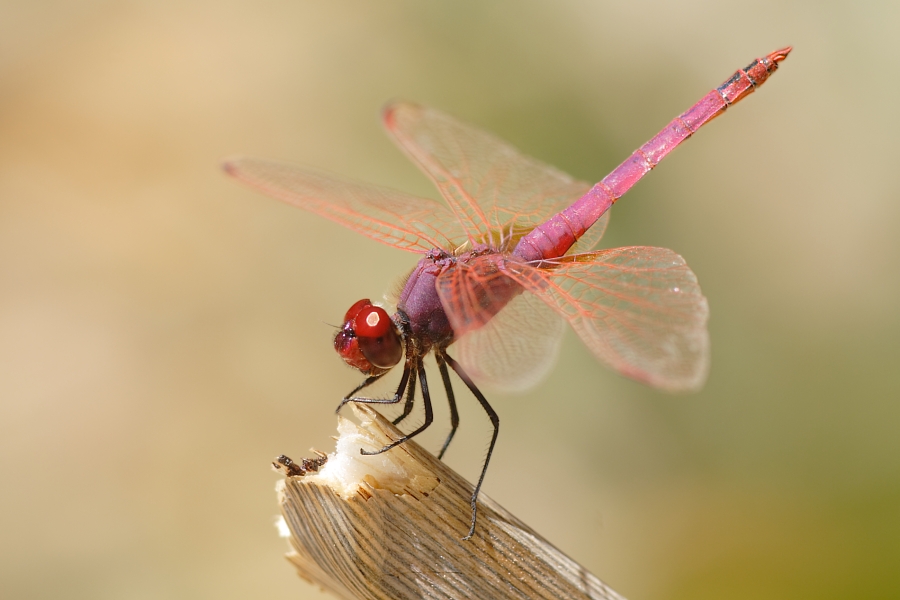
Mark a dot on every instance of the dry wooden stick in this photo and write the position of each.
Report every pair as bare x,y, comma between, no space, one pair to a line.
389,526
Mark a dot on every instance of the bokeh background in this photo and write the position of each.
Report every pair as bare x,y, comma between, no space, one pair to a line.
164,332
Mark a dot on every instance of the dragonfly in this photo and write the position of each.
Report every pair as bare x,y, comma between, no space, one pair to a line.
506,261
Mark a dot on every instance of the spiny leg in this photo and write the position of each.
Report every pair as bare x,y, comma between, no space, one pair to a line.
368,381
429,415
495,421
410,398
451,400
372,379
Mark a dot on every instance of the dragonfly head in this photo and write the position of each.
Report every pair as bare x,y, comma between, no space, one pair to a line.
369,339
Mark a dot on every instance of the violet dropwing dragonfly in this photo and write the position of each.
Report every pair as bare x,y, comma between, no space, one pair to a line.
507,260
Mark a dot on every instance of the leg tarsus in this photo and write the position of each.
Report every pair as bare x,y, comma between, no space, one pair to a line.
366,383
369,381
429,416
495,421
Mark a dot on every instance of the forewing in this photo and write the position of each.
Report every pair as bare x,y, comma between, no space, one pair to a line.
492,188
391,217
638,309
505,338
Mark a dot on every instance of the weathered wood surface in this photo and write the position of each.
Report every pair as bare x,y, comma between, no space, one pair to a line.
396,532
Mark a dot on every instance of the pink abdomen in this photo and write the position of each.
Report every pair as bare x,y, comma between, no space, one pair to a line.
554,237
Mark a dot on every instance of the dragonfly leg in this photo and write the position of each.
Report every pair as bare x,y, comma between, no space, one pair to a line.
368,381
451,400
429,416
410,398
495,421
372,379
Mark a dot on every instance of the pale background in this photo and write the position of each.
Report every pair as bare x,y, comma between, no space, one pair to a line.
163,331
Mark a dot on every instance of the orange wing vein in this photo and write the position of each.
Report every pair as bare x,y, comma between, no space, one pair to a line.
491,187
391,217
638,309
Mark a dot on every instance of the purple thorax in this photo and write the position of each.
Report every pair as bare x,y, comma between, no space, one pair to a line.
420,303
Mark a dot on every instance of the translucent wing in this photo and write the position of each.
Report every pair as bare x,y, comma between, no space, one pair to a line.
391,217
515,349
505,338
495,191
638,309
473,291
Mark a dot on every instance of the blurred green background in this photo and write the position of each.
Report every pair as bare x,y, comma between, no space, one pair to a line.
163,331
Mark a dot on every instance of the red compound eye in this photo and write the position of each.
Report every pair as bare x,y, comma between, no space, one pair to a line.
354,310
372,321
369,340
